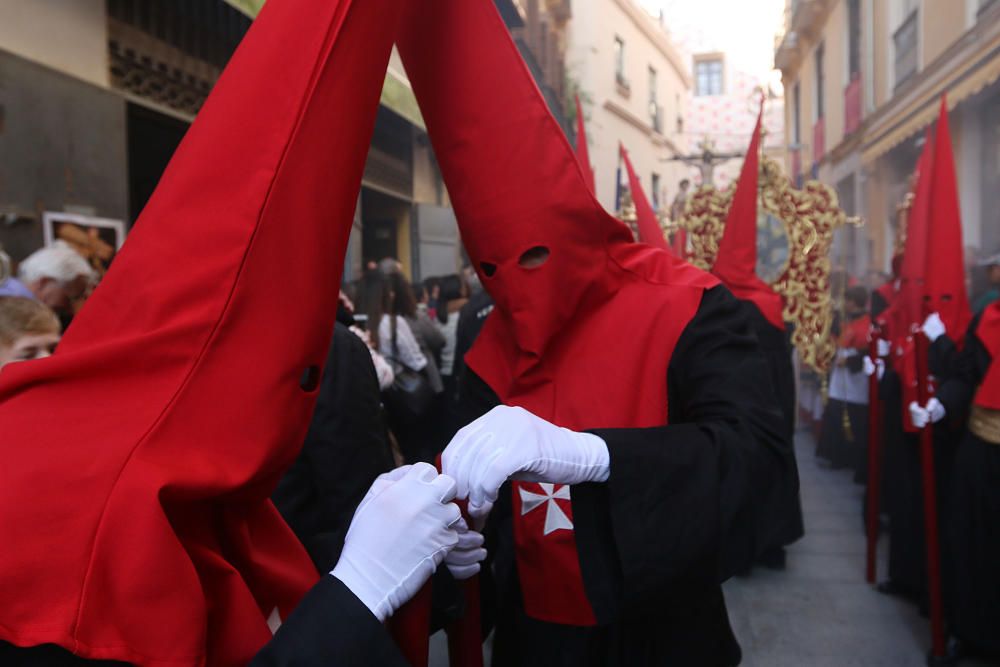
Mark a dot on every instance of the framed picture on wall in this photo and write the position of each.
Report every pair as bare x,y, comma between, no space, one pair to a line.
98,240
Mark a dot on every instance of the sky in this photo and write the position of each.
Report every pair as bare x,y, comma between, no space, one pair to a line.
745,29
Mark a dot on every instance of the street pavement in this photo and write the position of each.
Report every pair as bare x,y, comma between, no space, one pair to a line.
819,612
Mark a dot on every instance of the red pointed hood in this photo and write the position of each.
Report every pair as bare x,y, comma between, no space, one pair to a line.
906,308
944,287
512,176
649,226
138,460
582,150
736,262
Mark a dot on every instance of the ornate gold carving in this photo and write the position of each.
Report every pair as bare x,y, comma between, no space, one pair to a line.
809,217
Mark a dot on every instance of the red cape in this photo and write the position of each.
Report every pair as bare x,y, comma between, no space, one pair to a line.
988,333
138,460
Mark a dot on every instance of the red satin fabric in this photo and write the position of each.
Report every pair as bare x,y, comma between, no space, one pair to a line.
583,340
988,333
736,262
138,461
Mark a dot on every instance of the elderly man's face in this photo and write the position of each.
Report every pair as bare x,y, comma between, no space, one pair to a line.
58,296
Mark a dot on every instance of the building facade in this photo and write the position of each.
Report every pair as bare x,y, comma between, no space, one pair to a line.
634,87
863,80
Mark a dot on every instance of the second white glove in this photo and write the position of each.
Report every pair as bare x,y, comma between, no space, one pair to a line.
935,410
510,443
933,327
874,367
400,533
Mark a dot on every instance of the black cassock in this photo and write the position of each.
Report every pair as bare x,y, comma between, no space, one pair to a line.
787,526
904,483
675,518
972,528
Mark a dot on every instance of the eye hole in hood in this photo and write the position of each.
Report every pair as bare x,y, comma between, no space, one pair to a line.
534,257
489,268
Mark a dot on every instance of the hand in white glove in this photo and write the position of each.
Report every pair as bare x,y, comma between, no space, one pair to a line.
936,411
884,348
400,533
873,367
463,561
918,415
513,443
933,327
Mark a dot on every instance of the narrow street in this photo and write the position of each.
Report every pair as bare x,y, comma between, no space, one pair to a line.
820,611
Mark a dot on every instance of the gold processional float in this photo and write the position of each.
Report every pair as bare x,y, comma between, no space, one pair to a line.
795,230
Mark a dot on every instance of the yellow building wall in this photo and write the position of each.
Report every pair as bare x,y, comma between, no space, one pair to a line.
67,35
942,23
880,15
835,73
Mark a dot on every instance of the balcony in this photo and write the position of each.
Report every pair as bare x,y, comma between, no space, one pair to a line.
905,41
819,140
852,105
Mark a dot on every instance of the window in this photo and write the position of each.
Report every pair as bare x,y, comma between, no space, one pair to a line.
820,81
656,191
620,62
905,42
853,39
708,77
655,117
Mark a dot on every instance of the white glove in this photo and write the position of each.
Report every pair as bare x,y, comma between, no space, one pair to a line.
933,327
935,410
511,442
918,415
463,561
876,367
884,348
400,533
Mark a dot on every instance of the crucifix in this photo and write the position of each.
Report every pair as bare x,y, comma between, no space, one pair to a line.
706,160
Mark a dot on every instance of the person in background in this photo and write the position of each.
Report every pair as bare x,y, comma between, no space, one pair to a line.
427,334
432,286
845,421
57,276
454,296
992,267
680,201
28,330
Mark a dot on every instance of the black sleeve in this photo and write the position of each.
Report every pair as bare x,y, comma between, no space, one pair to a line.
967,373
856,362
878,304
941,357
331,627
345,449
682,499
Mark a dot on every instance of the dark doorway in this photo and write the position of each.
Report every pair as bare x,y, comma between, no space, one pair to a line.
382,216
152,139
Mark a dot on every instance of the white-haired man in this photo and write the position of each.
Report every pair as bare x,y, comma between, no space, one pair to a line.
57,276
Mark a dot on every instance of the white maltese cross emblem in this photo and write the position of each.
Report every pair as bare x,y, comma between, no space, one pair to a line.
555,518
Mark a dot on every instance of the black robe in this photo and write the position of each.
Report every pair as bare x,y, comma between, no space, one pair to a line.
675,518
972,528
787,526
904,484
